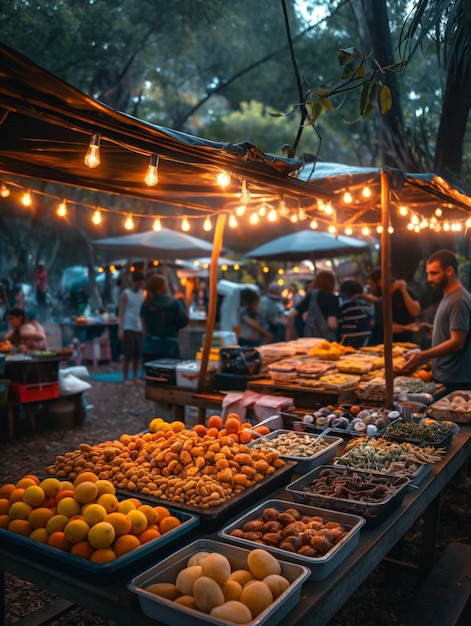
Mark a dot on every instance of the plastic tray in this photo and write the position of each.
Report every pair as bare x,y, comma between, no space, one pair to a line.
444,442
212,519
103,573
320,567
373,512
441,410
304,464
169,612
415,477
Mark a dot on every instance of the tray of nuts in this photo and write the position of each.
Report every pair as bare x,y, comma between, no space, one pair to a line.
319,539
298,446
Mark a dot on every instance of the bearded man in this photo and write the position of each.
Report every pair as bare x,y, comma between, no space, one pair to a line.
450,351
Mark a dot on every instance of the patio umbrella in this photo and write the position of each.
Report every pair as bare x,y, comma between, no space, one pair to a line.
307,244
165,244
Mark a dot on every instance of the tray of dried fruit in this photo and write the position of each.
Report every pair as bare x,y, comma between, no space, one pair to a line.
319,539
346,420
212,517
297,446
371,495
426,432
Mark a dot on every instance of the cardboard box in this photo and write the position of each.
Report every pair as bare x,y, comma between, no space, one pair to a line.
188,373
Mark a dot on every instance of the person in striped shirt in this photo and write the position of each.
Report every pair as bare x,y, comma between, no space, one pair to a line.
355,320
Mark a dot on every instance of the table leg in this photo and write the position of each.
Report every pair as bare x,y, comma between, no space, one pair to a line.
430,535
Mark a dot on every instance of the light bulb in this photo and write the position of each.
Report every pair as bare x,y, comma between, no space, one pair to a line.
245,193
236,267
92,158
223,179
207,225
282,208
152,176
293,219
348,230
224,267
347,197
272,215
262,210
4,191
390,230
332,230
403,211
253,219
313,224
240,210
96,219
438,212
185,225
379,229
62,209
366,193
232,221
365,231
129,223
328,209
302,215
26,200
265,269
157,225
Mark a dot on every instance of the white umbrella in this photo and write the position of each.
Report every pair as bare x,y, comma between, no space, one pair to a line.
309,244
165,244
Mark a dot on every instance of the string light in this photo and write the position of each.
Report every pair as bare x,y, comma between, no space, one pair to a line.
348,230
313,224
379,229
152,175
129,223
366,192
332,230
272,215
282,208
157,225
328,209
245,193
92,158
224,267
302,215
240,210
223,179
185,225
207,226
281,271
96,219
438,212
233,221
365,231
254,219
347,197
262,210
265,269
62,209
4,191
26,199
294,219
236,267
403,211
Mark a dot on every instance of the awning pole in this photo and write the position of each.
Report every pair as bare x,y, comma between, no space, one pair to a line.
386,288
213,296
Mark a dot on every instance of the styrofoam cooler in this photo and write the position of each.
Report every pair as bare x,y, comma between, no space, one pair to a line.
188,373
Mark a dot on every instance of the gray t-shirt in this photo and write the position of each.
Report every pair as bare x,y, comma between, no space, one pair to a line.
453,313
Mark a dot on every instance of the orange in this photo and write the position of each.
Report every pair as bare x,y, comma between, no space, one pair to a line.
177,426
215,421
93,513
212,432
57,540
137,503
67,484
51,486
199,429
246,425
65,493
234,416
38,518
162,512
19,510
34,478
222,433
4,506
20,527
103,555
109,501
245,436
126,505
232,425
85,476
105,486
82,549
234,436
125,544
150,513
76,530
68,506
138,521
6,489
101,535
40,535
26,481
34,495
120,522
86,491
4,521
56,523
17,495
149,535
169,523
263,430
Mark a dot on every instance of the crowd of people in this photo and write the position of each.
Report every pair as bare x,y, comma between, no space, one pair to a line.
150,318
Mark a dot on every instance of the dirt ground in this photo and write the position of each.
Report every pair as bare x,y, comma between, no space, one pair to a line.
115,409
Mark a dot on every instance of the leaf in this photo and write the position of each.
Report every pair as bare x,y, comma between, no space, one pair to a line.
364,97
345,55
316,109
368,110
385,99
349,70
326,103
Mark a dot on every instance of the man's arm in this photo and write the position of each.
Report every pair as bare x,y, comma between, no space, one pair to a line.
454,344
412,305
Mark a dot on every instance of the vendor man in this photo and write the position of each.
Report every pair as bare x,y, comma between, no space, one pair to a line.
451,341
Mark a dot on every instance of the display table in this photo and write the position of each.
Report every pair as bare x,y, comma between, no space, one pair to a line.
320,600
175,399
101,333
304,397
